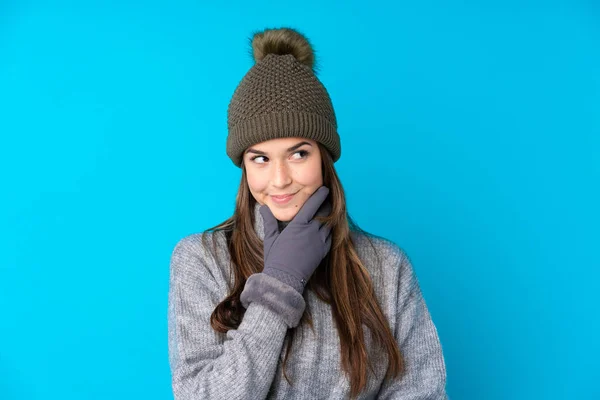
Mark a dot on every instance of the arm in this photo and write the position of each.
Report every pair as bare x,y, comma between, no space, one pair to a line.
417,337
240,364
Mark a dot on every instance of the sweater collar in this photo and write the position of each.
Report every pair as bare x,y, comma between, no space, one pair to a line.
259,222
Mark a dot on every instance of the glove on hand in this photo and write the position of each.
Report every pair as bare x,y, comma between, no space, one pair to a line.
294,254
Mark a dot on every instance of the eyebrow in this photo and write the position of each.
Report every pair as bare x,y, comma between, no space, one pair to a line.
251,150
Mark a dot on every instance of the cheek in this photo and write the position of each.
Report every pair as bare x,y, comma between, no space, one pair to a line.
312,180
311,176
256,182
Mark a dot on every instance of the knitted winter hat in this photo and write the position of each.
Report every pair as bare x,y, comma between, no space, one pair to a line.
280,96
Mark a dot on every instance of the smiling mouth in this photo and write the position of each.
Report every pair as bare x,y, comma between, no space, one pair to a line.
283,199
282,196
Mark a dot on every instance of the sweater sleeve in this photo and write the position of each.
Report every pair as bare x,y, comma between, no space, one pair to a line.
206,364
417,337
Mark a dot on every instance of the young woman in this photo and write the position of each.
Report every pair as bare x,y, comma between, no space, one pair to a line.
288,298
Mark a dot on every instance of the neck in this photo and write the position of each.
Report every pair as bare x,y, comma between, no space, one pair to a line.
282,224
259,223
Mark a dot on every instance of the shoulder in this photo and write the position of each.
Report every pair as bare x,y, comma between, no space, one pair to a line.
378,250
199,253
387,262
200,244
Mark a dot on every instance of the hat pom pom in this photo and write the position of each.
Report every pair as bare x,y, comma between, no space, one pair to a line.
282,41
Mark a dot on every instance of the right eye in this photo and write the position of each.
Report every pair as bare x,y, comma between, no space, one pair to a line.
257,157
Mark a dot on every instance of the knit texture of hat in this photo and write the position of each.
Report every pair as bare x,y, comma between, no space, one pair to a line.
280,97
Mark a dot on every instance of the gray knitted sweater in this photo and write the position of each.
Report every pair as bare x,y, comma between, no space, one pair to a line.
246,363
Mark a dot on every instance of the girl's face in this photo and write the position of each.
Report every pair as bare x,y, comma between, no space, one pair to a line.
283,166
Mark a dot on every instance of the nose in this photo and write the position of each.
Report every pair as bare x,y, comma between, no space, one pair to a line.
281,175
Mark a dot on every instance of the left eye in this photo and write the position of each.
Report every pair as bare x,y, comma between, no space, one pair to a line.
303,153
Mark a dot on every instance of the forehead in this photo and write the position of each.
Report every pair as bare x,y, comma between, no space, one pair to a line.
280,144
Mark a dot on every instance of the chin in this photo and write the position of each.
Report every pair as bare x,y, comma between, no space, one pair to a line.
284,215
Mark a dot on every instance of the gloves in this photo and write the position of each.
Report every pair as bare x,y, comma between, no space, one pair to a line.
293,255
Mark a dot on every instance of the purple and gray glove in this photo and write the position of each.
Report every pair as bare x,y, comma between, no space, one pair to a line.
293,254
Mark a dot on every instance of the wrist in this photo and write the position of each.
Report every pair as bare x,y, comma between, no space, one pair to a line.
298,283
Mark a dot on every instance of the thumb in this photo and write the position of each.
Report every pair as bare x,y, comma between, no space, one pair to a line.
325,209
270,226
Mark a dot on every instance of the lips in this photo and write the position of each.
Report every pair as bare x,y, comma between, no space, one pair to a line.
282,196
282,199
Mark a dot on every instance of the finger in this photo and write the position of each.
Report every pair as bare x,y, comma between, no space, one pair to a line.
269,222
327,245
308,210
324,231
324,210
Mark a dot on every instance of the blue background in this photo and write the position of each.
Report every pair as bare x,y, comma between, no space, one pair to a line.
470,135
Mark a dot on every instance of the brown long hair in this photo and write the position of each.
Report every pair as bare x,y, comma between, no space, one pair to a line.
341,280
